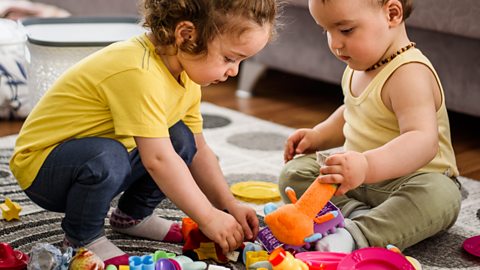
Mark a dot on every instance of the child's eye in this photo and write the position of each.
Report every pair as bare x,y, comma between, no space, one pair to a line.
229,60
346,31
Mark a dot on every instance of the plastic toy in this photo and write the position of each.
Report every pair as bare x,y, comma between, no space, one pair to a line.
187,263
165,264
415,263
317,260
44,256
256,191
10,210
159,254
12,259
374,258
293,224
472,245
144,262
329,226
284,260
85,259
255,257
198,247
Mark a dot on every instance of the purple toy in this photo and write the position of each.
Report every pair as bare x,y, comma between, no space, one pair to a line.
269,242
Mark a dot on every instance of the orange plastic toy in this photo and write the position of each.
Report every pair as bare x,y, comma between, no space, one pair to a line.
293,224
284,260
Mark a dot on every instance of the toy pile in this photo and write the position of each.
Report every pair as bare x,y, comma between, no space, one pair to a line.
292,230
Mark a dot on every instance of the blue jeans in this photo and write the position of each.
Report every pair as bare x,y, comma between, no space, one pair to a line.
81,177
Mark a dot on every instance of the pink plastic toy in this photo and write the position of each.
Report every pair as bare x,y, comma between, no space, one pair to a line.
375,258
317,260
12,259
472,245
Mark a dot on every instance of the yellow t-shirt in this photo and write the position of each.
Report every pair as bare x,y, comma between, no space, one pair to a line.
370,124
121,91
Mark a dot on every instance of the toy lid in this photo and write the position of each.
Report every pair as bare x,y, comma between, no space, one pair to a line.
80,31
11,32
12,259
375,258
472,245
256,191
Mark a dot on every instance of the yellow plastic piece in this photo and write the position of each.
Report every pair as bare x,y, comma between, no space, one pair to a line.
10,210
206,251
416,264
124,267
255,256
256,191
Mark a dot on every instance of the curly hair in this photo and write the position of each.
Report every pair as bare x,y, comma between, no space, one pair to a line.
209,17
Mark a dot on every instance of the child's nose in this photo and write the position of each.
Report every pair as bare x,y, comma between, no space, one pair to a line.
335,42
232,71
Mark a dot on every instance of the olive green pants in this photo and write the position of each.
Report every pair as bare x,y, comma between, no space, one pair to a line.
401,212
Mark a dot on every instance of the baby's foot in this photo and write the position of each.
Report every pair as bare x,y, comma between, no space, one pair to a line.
340,241
152,227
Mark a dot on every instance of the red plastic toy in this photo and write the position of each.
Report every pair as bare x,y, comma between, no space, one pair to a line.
197,246
12,259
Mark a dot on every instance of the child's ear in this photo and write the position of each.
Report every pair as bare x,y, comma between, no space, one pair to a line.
185,32
394,12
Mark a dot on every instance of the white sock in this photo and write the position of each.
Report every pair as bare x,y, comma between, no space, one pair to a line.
340,241
155,228
103,248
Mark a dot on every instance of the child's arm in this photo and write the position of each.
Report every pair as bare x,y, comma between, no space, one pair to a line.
413,95
208,175
327,134
173,177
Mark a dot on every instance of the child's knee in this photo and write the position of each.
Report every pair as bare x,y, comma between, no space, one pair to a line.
296,176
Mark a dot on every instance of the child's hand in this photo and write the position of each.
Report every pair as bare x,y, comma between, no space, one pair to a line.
299,142
348,169
247,217
224,230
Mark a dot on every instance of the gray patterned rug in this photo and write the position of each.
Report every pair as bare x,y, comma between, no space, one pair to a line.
248,149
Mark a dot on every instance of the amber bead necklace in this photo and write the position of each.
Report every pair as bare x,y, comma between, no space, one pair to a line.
391,57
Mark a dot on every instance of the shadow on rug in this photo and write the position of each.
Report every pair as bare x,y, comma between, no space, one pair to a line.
248,149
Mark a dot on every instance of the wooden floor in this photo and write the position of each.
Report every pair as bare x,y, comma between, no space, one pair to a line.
299,102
